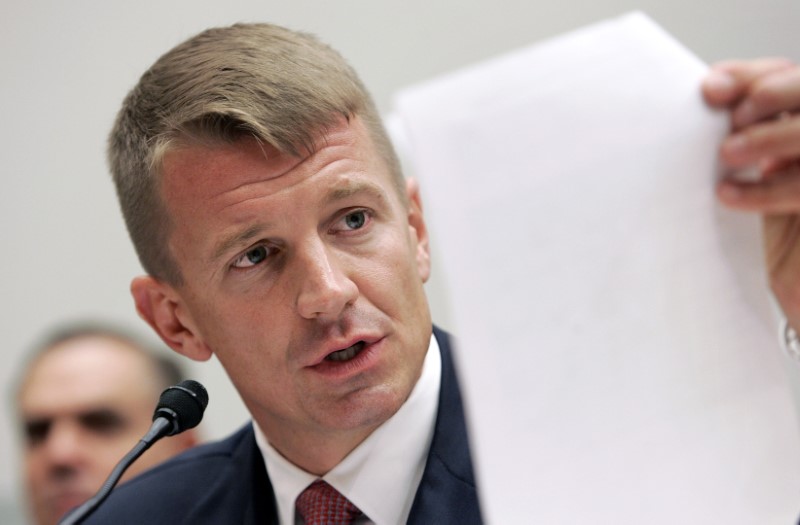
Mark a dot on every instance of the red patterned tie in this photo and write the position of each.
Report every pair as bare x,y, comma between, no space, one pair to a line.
321,504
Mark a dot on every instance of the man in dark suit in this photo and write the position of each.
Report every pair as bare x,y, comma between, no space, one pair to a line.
268,208
269,211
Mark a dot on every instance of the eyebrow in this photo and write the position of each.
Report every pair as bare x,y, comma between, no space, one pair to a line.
37,427
348,191
102,418
237,239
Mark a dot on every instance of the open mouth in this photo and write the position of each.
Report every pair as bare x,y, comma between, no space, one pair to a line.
347,354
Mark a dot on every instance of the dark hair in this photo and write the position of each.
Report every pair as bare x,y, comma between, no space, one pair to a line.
169,370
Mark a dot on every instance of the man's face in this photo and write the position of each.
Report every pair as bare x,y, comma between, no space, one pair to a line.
304,277
84,404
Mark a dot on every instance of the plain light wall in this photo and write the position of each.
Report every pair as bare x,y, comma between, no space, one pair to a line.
67,65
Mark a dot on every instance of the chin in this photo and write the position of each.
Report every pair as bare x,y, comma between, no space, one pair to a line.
369,408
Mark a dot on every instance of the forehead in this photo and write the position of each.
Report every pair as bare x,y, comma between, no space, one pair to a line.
234,186
87,372
189,167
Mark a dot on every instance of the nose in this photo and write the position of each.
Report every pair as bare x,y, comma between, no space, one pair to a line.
324,286
64,447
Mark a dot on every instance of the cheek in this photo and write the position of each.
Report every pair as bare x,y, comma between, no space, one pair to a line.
34,467
248,305
110,451
391,279
244,331
252,352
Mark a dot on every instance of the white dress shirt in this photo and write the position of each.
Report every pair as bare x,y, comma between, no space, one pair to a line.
381,475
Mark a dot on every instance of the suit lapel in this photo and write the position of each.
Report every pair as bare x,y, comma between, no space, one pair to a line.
259,498
447,491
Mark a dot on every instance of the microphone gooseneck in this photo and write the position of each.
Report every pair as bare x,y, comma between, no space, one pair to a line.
179,408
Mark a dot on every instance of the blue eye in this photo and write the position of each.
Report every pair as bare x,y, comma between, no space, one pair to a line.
252,257
355,220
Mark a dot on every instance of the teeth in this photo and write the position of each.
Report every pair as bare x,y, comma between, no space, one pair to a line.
346,354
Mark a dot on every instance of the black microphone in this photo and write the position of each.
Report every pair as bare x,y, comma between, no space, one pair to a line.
179,408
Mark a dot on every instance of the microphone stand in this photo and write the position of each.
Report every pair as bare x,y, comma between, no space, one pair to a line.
160,428
179,408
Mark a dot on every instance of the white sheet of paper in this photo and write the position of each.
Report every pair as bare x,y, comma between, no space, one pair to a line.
616,344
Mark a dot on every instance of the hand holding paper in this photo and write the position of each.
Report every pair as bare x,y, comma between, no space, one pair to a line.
617,346
762,96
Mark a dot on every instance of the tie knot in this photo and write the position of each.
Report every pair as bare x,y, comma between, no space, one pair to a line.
321,504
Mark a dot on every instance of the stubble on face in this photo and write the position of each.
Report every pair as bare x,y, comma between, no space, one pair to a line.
326,289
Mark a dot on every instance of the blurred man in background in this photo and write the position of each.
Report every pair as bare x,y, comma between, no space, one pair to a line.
84,400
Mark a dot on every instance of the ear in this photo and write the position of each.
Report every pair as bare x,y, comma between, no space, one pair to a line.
161,306
419,231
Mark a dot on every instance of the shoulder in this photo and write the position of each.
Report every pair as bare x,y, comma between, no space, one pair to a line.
197,462
175,490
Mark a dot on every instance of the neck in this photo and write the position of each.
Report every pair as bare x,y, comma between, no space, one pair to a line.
318,454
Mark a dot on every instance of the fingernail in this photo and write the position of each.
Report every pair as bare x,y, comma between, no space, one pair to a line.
745,114
721,83
729,192
735,147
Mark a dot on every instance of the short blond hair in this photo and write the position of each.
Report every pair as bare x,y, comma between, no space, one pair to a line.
282,87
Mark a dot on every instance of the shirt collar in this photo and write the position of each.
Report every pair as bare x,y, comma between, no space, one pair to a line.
381,475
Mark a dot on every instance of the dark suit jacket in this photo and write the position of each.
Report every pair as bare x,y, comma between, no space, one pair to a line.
226,482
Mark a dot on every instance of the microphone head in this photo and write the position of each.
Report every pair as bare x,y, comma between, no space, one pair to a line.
183,404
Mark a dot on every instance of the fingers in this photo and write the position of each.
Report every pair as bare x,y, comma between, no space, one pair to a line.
772,195
728,82
769,96
763,97
763,143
